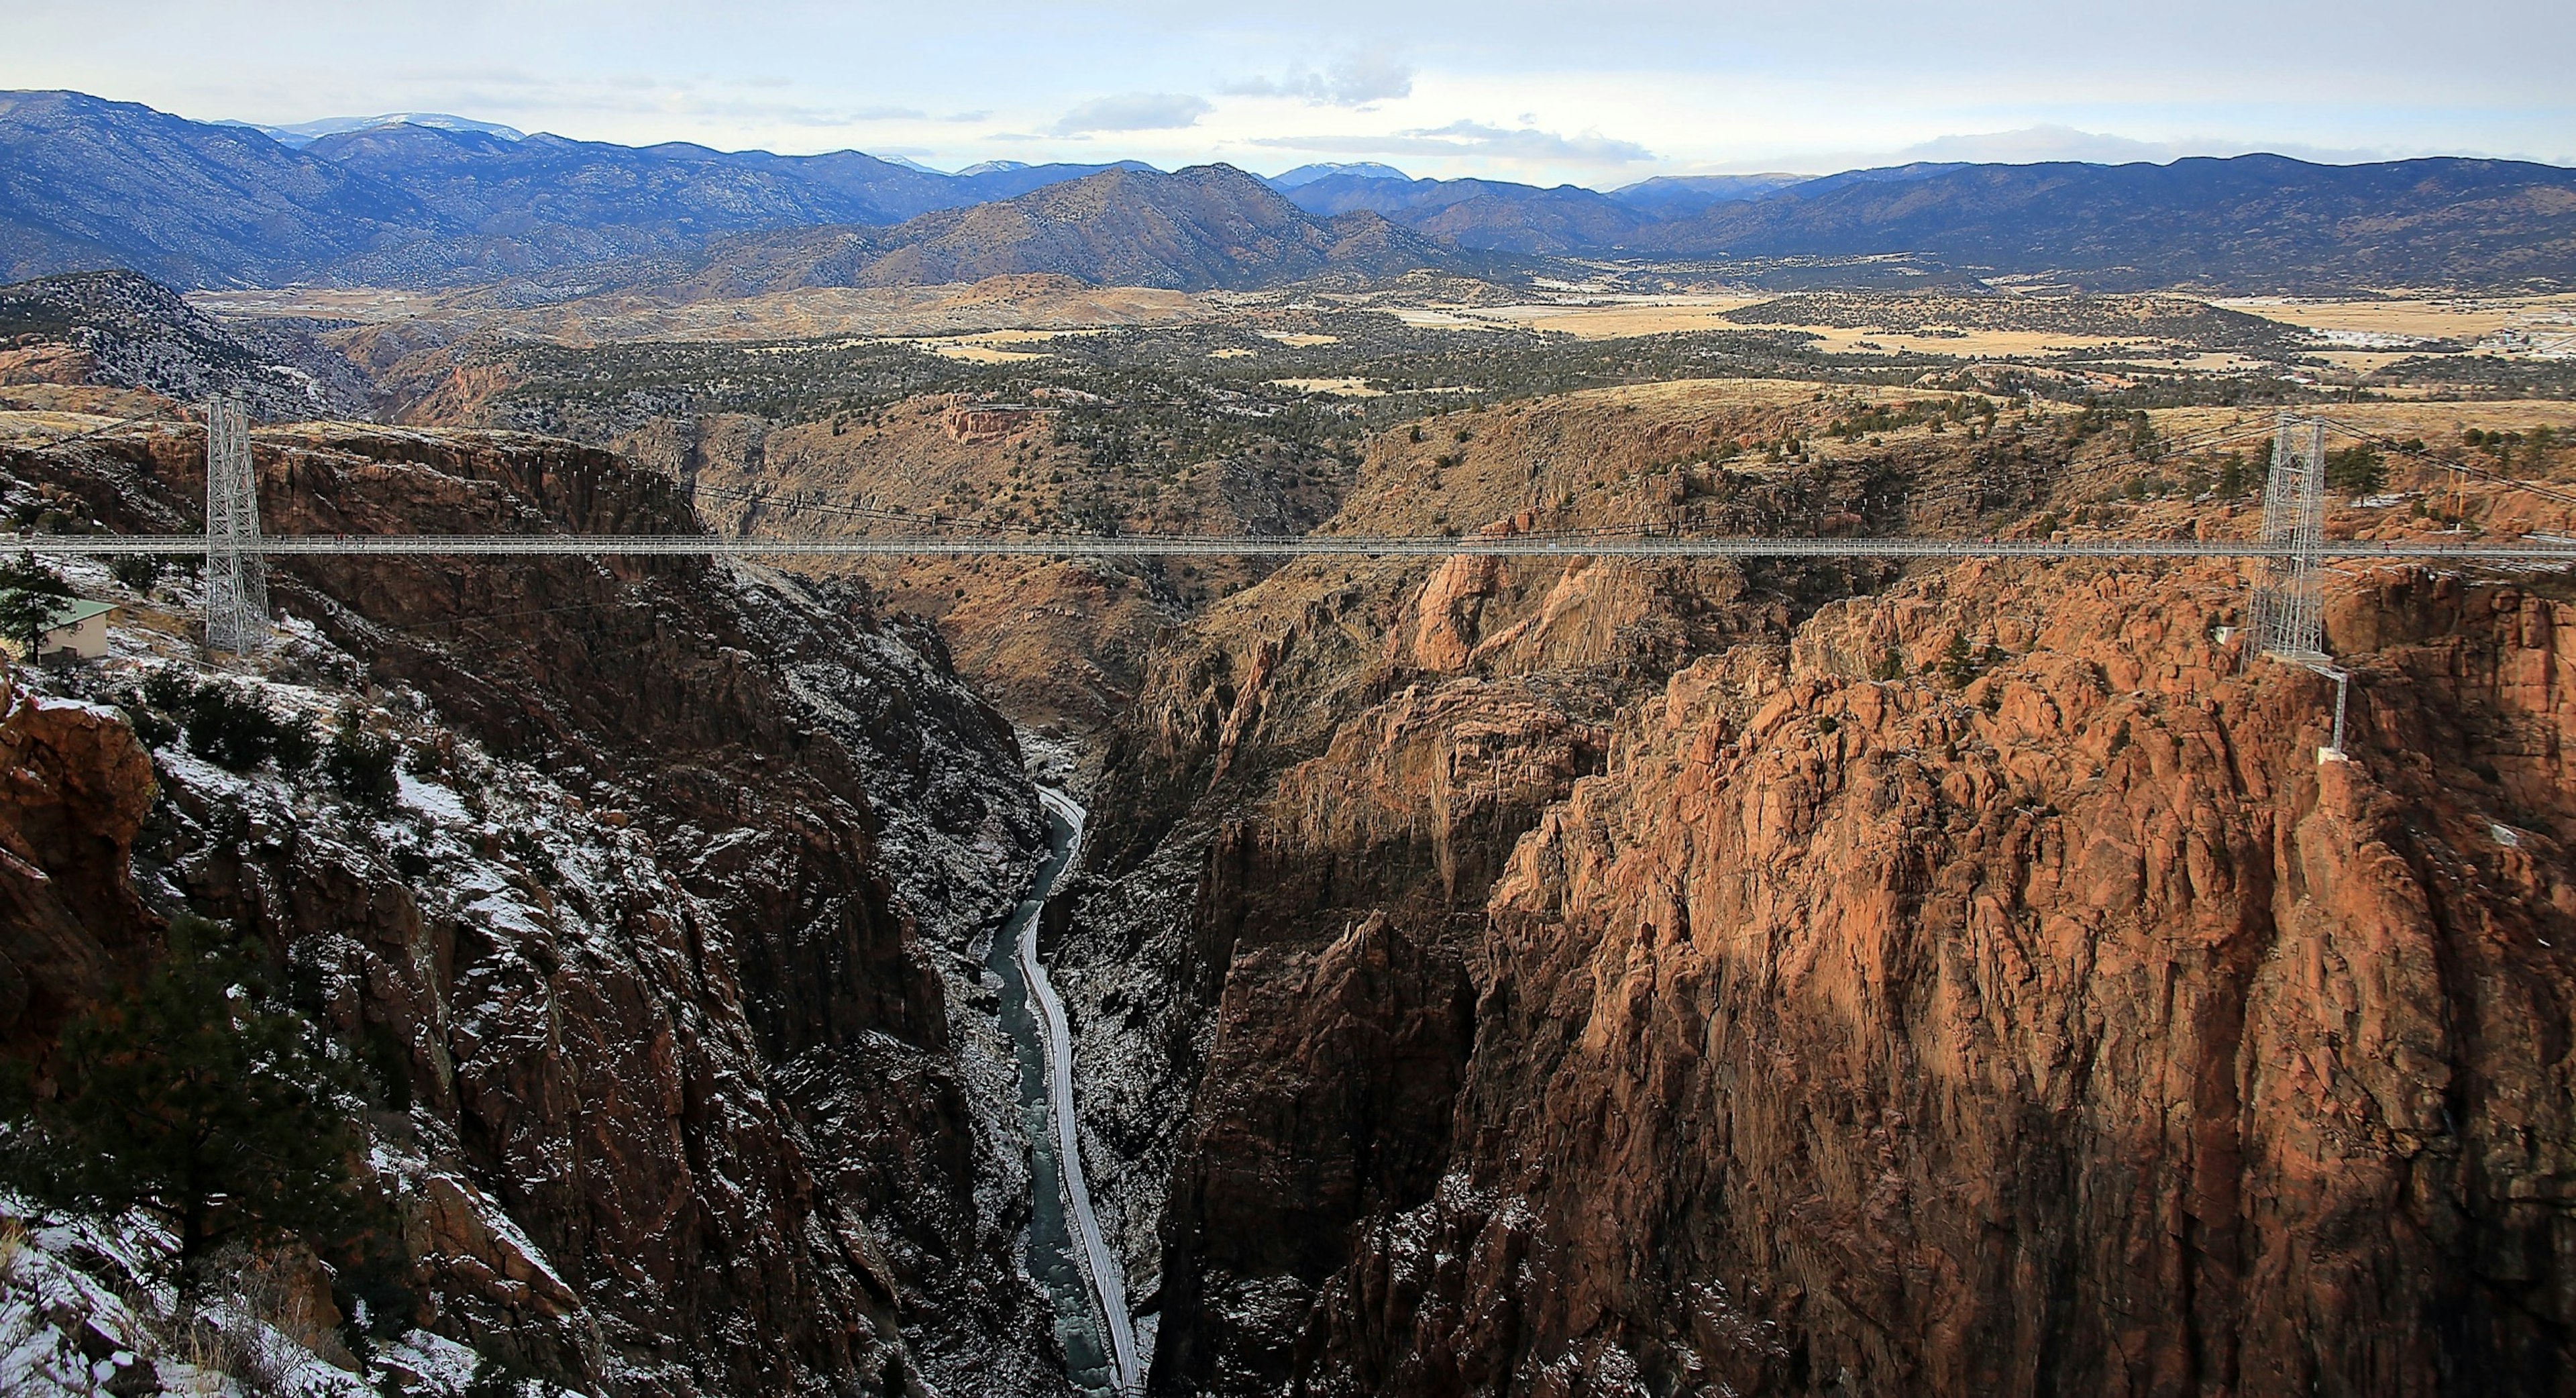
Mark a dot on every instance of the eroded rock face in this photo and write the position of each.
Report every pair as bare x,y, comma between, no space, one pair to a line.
2073,1029
1979,987
1353,747
662,936
74,790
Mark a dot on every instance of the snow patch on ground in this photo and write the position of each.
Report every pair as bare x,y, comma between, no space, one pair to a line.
80,1315
432,800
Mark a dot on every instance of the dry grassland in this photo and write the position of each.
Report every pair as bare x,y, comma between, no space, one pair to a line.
2435,422
1661,316
63,410
999,303
2466,319
1340,388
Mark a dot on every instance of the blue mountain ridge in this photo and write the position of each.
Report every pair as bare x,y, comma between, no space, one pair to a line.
431,200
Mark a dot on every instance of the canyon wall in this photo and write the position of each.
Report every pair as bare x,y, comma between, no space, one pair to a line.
1601,980
2073,1028
666,942
1337,762
1534,977
2064,1023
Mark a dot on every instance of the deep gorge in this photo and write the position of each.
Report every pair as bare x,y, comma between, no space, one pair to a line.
1481,977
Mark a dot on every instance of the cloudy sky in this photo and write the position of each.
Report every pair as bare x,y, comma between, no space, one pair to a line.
1596,93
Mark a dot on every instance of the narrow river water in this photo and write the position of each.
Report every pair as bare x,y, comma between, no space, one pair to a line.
1068,1253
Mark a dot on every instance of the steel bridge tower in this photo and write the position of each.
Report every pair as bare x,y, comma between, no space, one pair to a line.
2286,612
236,574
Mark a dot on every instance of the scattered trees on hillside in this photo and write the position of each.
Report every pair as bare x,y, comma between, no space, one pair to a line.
200,1098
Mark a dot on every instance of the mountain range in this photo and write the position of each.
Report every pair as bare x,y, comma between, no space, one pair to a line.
426,200
305,133
2253,220
1198,229
91,184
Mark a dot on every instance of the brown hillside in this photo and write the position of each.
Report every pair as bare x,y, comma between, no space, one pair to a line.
1204,227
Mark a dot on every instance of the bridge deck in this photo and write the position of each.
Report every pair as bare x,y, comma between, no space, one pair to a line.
2550,549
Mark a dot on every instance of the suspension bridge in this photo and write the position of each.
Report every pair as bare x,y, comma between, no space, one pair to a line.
2285,612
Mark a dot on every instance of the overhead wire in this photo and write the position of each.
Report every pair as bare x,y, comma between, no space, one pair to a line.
2394,447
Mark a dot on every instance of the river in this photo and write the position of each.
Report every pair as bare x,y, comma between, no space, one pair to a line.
1068,1252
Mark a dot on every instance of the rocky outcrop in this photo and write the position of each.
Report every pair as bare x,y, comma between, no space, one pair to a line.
74,790
987,423
2072,1027
664,939
1979,985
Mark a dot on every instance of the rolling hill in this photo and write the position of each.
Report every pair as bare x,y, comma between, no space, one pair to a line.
125,330
1206,227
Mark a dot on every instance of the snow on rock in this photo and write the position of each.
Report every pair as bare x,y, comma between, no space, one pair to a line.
81,1315
664,934
431,800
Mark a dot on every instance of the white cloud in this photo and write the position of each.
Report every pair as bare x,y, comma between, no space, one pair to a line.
1713,84
1134,111
2033,144
1346,82
1472,138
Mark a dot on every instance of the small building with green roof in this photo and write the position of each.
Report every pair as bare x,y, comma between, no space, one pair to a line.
76,630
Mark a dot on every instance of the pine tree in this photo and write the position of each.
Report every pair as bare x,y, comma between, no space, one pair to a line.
29,592
2357,471
360,762
199,1099
1958,662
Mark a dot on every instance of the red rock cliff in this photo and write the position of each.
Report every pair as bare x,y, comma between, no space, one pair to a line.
74,790
2074,1029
